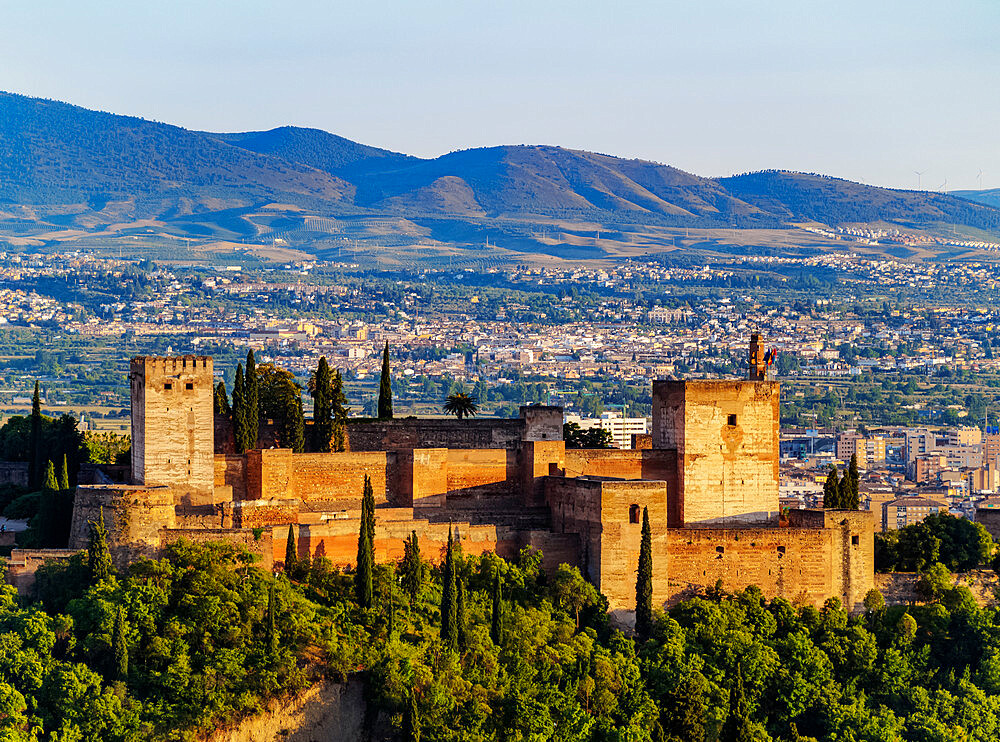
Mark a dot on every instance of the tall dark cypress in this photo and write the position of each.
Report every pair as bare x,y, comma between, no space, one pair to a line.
98,553
411,720
291,554
461,624
270,630
252,390
831,490
64,474
854,502
644,582
293,424
220,400
119,647
240,411
363,575
737,727
322,430
339,410
35,455
844,491
449,597
496,614
385,388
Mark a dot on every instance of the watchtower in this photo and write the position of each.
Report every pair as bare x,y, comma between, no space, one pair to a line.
173,434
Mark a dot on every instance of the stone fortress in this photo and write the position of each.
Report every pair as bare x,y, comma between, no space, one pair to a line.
708,474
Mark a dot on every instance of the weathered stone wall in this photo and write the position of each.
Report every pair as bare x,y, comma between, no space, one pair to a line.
399,434
990,518
337,539
261,513
726,437
134,516
335,479
14,472
173,425
623,464
482,472
900,588
24,563
230,477
542,422
538,460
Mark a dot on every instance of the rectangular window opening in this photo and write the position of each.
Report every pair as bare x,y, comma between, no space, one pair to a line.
168,386
189,386
732,420
855,540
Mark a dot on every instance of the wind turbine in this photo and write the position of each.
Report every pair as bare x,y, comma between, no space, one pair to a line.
919,175
941,187
980,179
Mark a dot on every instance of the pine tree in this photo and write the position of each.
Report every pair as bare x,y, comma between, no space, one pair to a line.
449,597
35,455
251,385
50,483
461,624
240,411
854,502
98,553
220,400
831,490
322,394
119,647
737,727
339,411
270,630
496,613
64,474
293,424
291,554
411,569
363,575
411,720
644,582
385,388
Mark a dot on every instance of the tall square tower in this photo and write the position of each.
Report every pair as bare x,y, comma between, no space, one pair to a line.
726,437
173,425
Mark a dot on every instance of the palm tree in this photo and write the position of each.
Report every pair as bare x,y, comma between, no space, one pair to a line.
461,405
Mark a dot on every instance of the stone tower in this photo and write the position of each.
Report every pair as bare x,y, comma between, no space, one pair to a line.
173,436
725,434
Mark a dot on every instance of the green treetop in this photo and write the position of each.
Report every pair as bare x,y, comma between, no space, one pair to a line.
496,611
220,400
831,490
119,647
854,499
322,393
49,482
252,391
35,456
98,553
364,573
340,411
291,553
64,474
240,411
449,597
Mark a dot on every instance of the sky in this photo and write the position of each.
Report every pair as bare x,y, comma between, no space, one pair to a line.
873,91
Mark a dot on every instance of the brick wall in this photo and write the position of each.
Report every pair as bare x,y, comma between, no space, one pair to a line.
230,477
623,464
482,472
332,479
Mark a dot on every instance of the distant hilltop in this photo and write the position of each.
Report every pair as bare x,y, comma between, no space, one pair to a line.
66,167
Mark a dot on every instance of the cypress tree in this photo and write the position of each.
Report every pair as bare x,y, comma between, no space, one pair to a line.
385,388
220,400
252,391
411,720
98,553
291,554
460,621
363,577
844,491
449,597
855,499
737,727
64,474
119,647
293,424
240,411
35,456
496,614
831,490
339,411
391,599
644,582
270,631
411,569
50,483
322,429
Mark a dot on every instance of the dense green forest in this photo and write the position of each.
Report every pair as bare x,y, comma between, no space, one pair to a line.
203,635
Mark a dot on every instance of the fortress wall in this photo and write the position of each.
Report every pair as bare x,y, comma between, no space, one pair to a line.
133,516
622,464
726,437
279,474
538,460
337,540
482,472
394,435
14,472
230,472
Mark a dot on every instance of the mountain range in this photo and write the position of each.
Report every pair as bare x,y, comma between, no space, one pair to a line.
68,173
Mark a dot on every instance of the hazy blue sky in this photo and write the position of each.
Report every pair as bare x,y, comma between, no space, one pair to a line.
869,90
